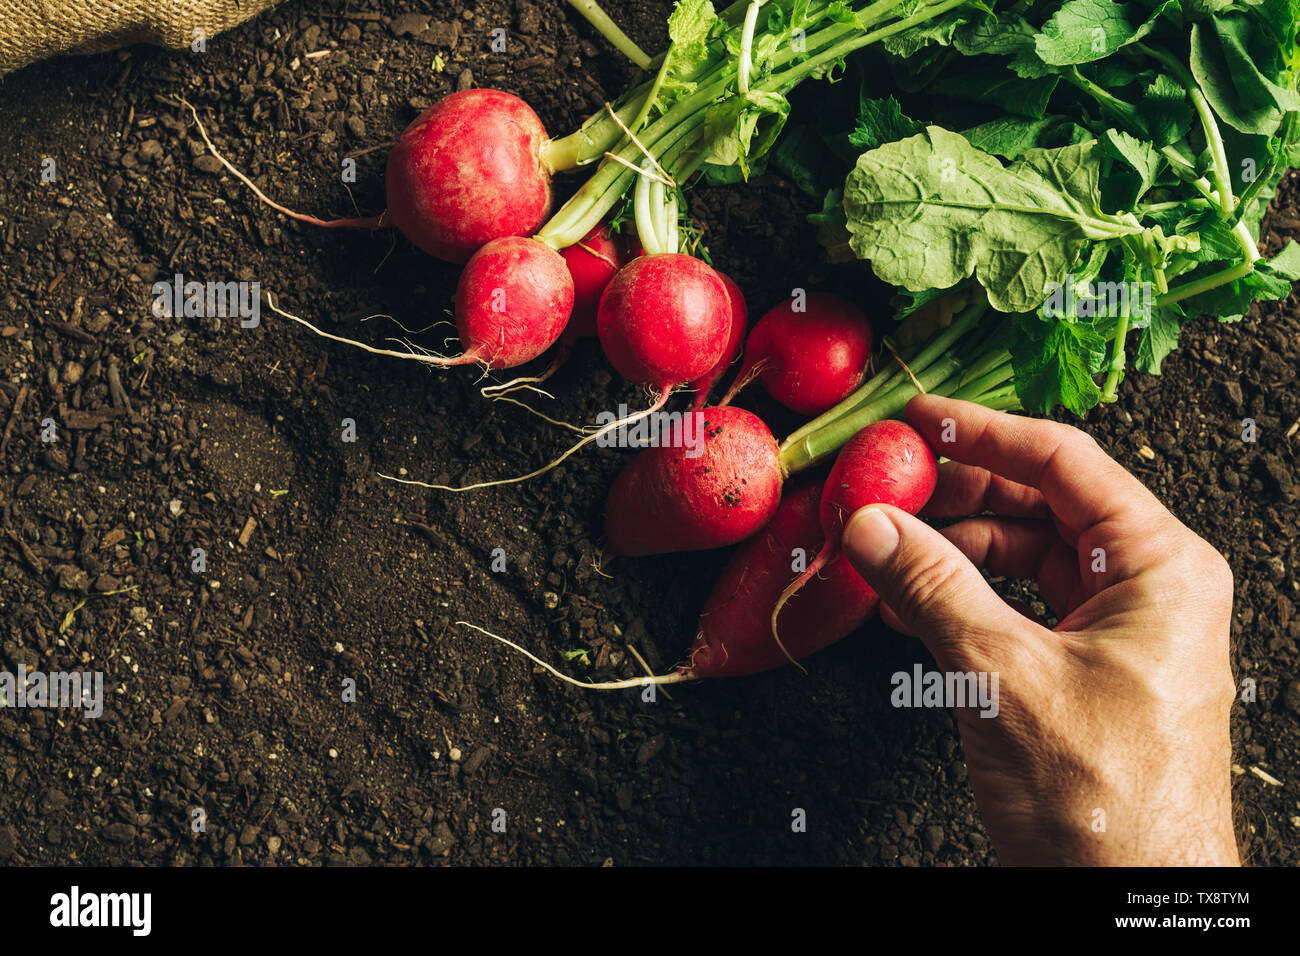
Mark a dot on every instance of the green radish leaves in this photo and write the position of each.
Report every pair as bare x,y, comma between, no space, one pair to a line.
1086,30
931,210
1055,363
1228,56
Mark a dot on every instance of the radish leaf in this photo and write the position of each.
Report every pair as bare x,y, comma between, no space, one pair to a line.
931,210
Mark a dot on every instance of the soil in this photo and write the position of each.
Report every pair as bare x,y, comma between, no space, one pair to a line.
225,686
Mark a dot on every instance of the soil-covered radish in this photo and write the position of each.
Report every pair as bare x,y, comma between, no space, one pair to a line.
809,352
715,482
468,170
735,633
664,320
739,324
593,262
886,463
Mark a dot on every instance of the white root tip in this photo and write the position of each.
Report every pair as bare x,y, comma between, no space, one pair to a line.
676,677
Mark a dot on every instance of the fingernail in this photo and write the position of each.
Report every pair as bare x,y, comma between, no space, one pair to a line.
870,538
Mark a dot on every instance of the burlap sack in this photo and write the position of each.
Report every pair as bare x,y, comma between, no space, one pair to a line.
31,30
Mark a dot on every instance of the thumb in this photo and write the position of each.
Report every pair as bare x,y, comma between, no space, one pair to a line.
929,585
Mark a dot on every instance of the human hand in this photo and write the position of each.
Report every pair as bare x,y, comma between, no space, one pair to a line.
1110,745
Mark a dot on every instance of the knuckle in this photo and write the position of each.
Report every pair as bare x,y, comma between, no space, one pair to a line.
1218,573
923,584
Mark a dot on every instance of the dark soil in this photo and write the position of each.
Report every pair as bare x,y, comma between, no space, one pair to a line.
225,687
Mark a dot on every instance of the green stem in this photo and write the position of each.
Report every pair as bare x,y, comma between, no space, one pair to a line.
889,377
646,227
1222,176
607,28
1205,283
828,57
814,448
1117,359
745,62
1000,375
598,195
1286,135
1004,399
1123,109
1213,138
595,137
948,375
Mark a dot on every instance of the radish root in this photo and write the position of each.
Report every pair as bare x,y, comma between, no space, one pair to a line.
676,677
897,358
429,359
755,370
594,436
791,590
367,222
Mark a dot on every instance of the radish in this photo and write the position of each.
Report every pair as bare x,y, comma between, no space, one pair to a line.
592,262
739,322
809,352
468,170
715,486
735,637
473,167
512,301
887,462
735,634
664,320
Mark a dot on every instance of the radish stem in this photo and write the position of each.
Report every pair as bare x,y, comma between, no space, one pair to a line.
610,30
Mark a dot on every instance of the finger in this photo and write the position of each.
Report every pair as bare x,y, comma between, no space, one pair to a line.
1059,580
1082,485
1020,607
1004,547
934,592
1021,549
967,490
1024,610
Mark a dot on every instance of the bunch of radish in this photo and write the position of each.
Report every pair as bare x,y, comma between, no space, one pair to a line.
470,181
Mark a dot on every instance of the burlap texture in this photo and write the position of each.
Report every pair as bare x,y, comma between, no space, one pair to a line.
31,30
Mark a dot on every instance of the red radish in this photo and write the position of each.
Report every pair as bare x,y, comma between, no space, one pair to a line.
887,462
735,635
664,320
593,262
469,170
810,352
739,323
512,301
717,482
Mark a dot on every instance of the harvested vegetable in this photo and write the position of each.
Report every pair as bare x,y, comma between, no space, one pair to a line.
809,352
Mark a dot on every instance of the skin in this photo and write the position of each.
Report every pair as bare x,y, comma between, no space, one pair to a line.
1123,706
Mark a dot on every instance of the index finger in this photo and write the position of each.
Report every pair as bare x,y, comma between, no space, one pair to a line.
1082,485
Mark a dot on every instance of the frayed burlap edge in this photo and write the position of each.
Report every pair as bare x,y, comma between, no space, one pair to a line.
32,30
